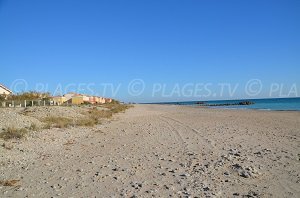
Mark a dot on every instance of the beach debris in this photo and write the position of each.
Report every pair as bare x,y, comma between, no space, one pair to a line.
246,172
9,182
184,175
234,152
136,185
7,146
252,193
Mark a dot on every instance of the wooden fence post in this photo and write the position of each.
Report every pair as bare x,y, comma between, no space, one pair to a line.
25,103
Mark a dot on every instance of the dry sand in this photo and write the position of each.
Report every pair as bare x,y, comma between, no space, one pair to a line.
160,151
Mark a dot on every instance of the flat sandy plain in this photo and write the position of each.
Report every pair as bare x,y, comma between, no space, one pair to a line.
160,151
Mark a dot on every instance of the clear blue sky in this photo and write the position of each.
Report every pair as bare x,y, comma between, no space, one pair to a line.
159,41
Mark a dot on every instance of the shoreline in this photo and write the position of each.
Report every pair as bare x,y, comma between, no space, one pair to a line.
224,108
272,104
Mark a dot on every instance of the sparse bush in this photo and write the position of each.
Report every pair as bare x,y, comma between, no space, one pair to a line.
98,114
58,122
87,122
116,107
13,133
31,95
92,117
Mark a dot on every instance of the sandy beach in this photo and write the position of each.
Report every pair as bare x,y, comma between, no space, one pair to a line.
160,151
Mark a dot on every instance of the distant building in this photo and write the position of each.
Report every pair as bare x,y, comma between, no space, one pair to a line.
78,99
59,100
4,90
70,95
93,99
101,100
108,100
97,100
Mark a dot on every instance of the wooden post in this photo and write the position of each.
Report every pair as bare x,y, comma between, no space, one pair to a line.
44,102
13,103
32,103
25,103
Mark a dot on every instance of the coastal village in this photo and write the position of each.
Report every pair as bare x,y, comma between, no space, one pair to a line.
66,99
78,99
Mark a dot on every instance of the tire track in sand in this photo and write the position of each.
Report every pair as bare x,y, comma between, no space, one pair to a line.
177,134
205,141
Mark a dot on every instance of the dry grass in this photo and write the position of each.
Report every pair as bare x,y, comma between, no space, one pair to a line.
9,182
98,114
13,133
33,127
92,117
88,122
116,107
57,122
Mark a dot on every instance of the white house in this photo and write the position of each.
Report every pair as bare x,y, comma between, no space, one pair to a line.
4,90
70,95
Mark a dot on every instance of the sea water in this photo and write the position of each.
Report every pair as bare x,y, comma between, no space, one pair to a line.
275,104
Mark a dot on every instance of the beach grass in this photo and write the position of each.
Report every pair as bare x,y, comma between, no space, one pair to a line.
88,122
91,118
57,122
13,133
116,107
